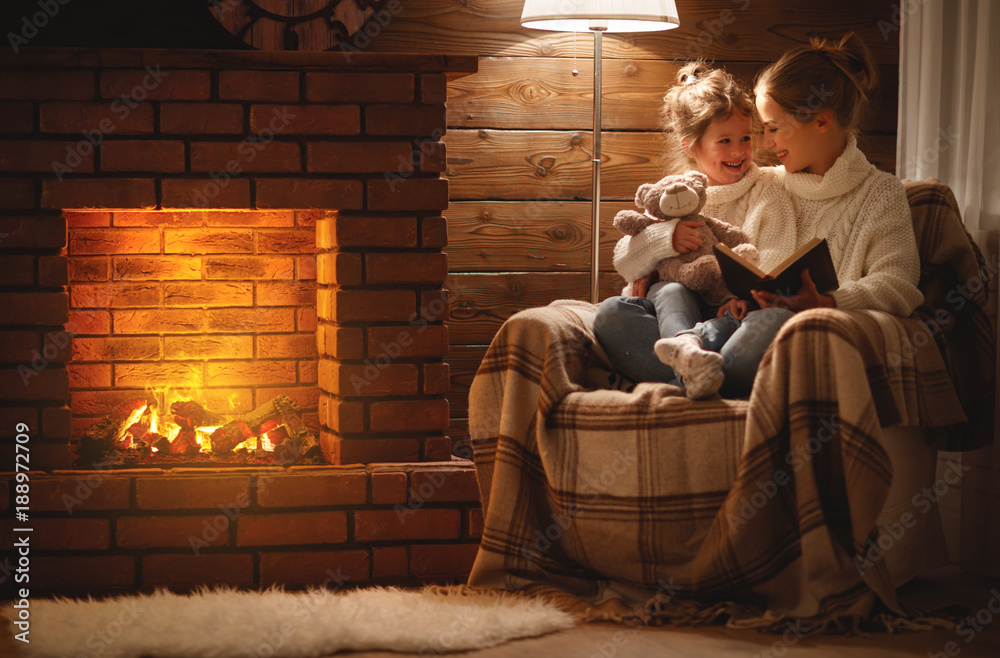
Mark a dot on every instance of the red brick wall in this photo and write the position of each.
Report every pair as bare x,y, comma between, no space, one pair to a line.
220,301
151,297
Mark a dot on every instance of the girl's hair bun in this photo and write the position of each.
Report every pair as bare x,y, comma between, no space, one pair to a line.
692,72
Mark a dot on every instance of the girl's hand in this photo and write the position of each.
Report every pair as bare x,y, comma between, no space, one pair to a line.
686,236
640,287
808,297
736,307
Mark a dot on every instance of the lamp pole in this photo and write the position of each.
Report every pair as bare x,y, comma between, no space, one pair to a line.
595,243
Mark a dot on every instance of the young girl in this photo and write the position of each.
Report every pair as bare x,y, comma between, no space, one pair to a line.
811,102
708,122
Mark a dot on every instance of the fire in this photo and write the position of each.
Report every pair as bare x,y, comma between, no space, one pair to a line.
161,424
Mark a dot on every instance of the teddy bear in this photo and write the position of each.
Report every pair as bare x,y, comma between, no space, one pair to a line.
681,197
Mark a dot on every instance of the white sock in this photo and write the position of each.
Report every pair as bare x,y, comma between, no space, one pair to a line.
699,370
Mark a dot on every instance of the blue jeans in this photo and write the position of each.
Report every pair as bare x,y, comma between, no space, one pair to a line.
628,327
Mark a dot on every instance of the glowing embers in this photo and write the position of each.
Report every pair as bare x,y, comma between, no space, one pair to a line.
168,428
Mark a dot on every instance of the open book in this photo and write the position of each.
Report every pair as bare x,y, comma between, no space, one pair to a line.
742,276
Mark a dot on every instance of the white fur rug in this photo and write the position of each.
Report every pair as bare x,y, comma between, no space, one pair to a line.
224,623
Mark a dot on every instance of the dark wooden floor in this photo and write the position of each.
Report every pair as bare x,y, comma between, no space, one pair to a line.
606,640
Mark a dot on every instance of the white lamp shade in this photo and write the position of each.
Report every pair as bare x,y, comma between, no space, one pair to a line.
612,15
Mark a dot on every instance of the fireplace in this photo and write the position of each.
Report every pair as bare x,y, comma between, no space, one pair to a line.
241,227
212,313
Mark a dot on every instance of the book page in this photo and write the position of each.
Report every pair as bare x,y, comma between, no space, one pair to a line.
742,261
797,254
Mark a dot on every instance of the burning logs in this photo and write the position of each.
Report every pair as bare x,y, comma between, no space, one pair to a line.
280,411
190,415
129,429
300,442
185,443
105,434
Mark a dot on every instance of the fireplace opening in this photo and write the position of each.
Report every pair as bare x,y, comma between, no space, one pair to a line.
194,337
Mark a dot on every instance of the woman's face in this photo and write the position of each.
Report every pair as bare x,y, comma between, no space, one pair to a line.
724,152
785,135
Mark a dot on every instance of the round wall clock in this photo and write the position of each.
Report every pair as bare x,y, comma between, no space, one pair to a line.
294,24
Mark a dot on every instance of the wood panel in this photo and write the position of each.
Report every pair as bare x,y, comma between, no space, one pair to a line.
713,29
541,93
464,361
524,236
549,165
481,302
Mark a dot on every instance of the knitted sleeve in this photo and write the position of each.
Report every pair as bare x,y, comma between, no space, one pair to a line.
885,252
637,256
770,220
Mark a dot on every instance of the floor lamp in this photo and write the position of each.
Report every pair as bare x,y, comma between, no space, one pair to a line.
600,16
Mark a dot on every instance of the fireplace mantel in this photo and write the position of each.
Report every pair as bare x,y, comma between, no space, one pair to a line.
454,66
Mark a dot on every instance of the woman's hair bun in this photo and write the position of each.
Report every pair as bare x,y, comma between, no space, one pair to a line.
853,58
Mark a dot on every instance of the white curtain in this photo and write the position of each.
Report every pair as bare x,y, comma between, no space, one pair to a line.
949,128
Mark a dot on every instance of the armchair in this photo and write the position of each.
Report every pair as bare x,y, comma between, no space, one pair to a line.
795,503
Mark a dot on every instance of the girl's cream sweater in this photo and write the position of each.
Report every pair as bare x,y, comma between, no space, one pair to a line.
864,215
757,204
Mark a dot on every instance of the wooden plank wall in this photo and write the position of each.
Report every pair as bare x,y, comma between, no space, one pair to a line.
520,137
519,140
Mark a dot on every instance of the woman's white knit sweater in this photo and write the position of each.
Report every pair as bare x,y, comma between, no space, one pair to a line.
758,205
864,215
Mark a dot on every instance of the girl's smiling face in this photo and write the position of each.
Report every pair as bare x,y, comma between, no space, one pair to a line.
725,152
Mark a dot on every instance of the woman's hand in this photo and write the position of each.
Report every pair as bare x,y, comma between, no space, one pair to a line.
736,307
808,297
686,236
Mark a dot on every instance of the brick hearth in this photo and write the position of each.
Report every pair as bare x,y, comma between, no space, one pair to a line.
255,223
106,531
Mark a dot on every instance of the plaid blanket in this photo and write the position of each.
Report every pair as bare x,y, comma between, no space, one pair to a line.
668,509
